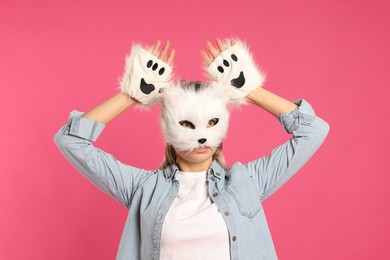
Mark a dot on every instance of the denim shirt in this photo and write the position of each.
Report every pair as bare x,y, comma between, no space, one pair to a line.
237,192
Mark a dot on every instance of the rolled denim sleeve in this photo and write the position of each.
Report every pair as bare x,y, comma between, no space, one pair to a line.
309,132
83,127
118,180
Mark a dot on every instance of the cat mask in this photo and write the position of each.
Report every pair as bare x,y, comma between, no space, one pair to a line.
194,115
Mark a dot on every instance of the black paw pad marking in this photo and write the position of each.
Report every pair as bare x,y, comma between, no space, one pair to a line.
145,87
238,82
226,63
161,71
154,67
149,88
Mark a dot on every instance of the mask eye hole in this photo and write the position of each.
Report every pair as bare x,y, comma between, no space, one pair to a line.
187,124
213,122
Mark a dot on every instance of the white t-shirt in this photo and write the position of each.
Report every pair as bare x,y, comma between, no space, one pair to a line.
193,228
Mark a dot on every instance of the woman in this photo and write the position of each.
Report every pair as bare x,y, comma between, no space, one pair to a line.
194,207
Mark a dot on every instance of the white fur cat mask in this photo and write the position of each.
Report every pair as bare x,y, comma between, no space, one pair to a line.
194,116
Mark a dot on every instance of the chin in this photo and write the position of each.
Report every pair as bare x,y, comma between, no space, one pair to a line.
201,154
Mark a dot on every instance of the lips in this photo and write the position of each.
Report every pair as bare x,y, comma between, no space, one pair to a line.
202,149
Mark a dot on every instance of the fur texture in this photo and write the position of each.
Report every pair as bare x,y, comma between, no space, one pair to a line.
236,69
145,76
197,105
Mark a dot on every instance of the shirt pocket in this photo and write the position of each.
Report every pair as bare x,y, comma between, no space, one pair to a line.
246,196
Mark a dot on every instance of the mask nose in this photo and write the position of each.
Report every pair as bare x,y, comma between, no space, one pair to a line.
202,141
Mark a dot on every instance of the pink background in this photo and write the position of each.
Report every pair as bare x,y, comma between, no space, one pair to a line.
56,57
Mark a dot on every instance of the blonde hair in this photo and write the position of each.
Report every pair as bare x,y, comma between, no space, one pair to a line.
170,157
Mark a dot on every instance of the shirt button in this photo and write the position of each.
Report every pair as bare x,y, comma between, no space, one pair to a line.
215,194
218,174
213,178
227,213
234,238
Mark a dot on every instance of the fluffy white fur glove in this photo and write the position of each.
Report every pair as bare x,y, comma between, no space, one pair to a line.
145,76
236,68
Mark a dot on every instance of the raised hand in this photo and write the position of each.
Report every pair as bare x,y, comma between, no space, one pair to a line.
231,64
148,72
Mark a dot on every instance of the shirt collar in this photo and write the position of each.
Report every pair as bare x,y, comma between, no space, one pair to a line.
215,171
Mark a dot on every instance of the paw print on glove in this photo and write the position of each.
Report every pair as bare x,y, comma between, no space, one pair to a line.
145,76
148,88
235,67
236,82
